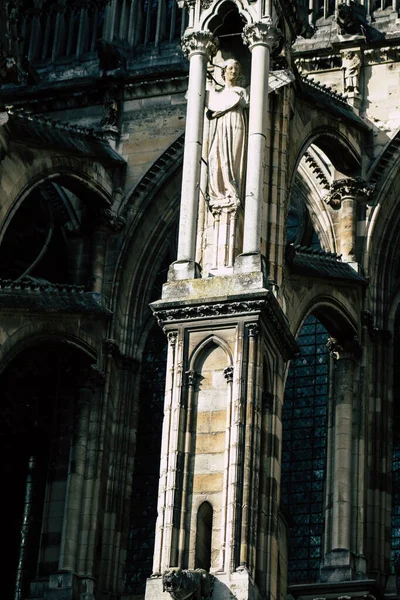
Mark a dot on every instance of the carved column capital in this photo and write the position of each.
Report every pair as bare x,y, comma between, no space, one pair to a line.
192,377
253,329
199,42
172,337
262,32
344,349
228,374
341,189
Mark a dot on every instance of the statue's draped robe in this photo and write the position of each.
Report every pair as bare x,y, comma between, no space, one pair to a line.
227,146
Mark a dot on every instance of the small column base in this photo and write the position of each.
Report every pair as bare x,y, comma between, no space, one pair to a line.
184,269
238,585
251,262
68,586
339,565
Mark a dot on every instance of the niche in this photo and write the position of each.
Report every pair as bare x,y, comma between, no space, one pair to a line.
203,537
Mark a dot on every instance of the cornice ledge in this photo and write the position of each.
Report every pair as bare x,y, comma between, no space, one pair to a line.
266,307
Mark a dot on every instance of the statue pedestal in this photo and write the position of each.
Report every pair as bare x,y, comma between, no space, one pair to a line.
238,585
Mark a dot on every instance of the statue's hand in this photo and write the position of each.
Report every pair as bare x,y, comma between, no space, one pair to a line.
209,114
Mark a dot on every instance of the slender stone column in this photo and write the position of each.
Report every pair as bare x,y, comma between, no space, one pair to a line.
338,562
261,38
107,222
189,434
248,474
198,46
75,485
345,194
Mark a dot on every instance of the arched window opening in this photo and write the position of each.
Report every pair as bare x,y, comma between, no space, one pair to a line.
47,240
203,537
299,227
40,393
304,450
147,462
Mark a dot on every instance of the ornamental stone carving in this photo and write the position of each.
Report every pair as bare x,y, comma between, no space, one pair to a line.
172,337
110,220
357,188
344,349
228,374
199,42
351,65
253,329
263,32
192,377
185,584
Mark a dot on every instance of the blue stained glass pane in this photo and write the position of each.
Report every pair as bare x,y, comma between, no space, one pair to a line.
304,444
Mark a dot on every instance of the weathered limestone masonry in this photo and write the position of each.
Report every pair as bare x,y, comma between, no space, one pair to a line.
218,505
199,299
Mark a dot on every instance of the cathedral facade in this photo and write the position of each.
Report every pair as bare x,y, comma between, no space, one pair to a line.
200,321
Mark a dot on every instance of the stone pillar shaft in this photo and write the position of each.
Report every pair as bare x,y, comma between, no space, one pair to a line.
99,239
261,38
345,194
342,492
75,485
258,122
198,47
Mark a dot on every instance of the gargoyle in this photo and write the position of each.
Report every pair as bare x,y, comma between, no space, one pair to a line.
188,584
111,57
351,19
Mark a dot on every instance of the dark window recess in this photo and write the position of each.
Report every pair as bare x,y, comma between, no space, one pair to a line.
203,537
39,396
147,462
304,450
395,554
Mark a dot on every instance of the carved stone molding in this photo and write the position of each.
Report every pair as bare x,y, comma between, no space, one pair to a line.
262,32
381,55
266,306
109,220
344,349
199,42
123,361
357,188
111,111
228,374
208,310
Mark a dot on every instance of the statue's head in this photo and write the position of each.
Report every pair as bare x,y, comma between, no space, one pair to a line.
231,70
172,580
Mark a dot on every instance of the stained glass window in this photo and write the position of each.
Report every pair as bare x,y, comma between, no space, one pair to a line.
304,450
147,463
